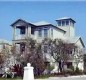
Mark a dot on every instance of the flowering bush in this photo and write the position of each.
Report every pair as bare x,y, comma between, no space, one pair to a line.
18,69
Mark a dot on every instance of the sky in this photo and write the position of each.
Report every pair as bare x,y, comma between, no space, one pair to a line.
34,11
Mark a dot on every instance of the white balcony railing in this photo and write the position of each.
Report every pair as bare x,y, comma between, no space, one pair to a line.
18,37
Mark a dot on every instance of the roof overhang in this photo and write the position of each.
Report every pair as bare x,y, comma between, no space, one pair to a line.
65,18
27,23
81,42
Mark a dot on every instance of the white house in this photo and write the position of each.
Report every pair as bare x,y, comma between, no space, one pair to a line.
64,29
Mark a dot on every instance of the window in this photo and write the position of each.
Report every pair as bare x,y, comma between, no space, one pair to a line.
32,31
40,33
67,23
51,32
59,23
63,23
22,31
45,33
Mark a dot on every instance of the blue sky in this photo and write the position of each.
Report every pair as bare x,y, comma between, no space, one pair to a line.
41,11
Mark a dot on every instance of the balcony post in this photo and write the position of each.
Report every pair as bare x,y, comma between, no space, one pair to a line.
26,32
14,33
29,31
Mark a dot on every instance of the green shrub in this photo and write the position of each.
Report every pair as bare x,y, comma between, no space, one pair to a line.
68,72
72,68
50,68
42,76
84,71
78,72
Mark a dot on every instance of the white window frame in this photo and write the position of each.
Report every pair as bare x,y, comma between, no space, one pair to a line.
39,32
45,33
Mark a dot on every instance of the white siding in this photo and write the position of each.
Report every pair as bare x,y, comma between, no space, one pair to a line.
29,30
66,28
81,65
70,31
39,39
37,36
19,23
57,34
79,44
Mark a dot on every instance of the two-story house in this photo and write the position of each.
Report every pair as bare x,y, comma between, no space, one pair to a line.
63,30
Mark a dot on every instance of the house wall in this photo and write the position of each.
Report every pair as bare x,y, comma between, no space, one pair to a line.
28,31
58,34
16,31
79,44
19,23
80,65
81,62
70,31
66,28
36,36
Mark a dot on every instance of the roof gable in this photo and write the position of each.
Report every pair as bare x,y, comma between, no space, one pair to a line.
22,21
75,40
81,41
44,23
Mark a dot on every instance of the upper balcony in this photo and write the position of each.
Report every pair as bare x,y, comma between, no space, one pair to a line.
22,37
19,37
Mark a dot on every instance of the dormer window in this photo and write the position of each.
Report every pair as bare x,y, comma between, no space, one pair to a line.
40,32
59,23
67,23
63,23
46,33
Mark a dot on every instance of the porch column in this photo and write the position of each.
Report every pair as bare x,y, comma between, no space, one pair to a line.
14,33
29,31
26,31
69,23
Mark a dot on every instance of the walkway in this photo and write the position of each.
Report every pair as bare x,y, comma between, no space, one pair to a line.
66,78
